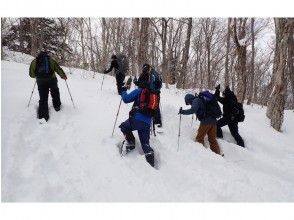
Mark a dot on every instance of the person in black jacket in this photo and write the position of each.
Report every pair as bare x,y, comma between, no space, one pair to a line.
120,77
228,100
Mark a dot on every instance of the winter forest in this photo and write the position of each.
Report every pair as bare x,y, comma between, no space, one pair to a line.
254,56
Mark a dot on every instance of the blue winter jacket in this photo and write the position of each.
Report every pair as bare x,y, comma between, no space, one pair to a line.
134,97
198,108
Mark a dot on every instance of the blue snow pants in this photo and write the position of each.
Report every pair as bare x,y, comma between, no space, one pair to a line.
143,129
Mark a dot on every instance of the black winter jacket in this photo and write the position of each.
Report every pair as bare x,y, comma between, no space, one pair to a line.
227,101
114,64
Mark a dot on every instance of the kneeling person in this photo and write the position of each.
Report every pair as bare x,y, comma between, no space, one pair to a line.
140,120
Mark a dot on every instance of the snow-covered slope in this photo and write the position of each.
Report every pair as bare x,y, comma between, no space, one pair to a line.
73,157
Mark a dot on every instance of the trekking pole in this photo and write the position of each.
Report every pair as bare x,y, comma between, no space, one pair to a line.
116,117
70,95
32,93
102,81
179,134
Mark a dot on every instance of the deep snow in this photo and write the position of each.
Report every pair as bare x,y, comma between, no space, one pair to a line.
73,157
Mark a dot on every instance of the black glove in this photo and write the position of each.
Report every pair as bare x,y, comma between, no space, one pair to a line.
105,72
217,87
180,111
124,88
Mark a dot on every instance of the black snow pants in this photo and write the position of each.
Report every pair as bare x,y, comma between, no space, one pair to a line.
233,127
119,81
44,87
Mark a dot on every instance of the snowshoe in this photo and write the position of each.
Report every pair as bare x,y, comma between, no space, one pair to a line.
126,147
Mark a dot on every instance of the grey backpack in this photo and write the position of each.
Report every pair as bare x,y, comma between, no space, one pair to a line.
123,63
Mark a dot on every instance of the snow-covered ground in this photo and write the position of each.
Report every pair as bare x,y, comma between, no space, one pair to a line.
73,157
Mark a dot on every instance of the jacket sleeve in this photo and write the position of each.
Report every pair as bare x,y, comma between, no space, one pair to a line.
33,69
110,68
131,97
56,68
194,108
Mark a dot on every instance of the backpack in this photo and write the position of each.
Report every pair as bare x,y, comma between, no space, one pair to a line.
155,81
211,105
238,111
43,68
148,102
123,63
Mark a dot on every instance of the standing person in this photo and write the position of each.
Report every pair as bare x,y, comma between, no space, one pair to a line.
144,81
232,114
120,65
43,68
145,105
207,114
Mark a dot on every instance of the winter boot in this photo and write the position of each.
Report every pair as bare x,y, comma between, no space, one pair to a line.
150,158
127,147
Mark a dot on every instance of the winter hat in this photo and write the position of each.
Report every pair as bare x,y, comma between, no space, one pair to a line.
146,67
113,57
189,98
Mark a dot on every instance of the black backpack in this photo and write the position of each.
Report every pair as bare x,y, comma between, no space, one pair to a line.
43,68
211,105
238,111
123,63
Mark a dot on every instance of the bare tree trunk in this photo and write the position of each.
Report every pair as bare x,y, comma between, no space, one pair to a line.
3,21
227,53
290,61
34,39
276,105
185,56
241,64
252,63
144,39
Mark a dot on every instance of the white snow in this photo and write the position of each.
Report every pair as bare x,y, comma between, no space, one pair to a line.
242,42
73,157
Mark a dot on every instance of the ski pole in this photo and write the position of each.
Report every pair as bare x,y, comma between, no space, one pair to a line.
70,95
116,117
179,134
32,93
102,82
192,120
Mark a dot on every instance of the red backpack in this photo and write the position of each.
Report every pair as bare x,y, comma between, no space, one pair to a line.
148,102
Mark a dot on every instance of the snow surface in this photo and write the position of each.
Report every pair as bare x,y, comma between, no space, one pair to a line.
73,157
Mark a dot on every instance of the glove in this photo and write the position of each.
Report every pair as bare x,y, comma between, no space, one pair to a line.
180,111
124,88
105,72
217,87
64,77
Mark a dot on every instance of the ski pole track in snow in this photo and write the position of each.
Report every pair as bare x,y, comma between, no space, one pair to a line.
73,157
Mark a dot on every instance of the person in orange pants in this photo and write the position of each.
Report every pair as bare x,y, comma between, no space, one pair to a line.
207,117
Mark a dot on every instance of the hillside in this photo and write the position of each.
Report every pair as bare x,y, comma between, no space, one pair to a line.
73,157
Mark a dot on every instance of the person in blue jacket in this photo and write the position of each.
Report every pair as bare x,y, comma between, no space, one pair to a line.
207,122
137,121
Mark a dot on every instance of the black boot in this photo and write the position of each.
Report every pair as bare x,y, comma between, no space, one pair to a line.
150,158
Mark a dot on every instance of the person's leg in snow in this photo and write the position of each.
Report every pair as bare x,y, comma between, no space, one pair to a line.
220,123
144,135
119,81
43,111
234,131
55,94
212,139
127,129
